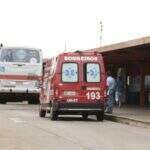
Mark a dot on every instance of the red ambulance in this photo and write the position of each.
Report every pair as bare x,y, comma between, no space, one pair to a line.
73,83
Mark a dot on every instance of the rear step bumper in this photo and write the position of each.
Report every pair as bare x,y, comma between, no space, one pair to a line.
78,107
81,109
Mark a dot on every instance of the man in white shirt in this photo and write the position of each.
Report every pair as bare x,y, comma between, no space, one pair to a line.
111,93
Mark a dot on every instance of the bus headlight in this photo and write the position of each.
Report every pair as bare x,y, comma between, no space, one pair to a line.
70,93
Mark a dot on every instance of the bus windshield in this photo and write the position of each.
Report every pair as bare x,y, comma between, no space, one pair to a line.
20,55
70,72
92,72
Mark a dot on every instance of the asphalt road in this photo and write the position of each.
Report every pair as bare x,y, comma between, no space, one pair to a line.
22,129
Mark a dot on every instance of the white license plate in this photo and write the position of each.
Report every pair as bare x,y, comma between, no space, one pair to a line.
72,100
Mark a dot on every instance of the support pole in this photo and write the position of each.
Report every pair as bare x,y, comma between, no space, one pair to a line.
126,84
142,93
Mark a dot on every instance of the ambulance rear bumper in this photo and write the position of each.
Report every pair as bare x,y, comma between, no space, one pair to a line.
78,107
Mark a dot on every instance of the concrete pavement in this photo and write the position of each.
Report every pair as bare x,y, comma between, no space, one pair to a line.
133,115
22,129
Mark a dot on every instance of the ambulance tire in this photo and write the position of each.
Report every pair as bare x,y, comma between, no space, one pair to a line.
53,115
100,116
42,112
84,116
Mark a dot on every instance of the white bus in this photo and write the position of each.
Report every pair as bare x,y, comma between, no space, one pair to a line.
20,74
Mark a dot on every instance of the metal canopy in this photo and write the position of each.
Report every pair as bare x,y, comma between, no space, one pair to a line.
137,50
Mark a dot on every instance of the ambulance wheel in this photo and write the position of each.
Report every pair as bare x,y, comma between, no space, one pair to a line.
100,116
84,116
42,112
53,115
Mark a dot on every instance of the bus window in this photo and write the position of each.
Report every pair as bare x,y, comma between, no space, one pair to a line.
92,72
70,72
20,55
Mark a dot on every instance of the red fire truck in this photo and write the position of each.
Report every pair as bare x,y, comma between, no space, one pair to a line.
73,83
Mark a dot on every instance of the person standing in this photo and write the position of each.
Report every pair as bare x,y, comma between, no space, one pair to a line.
111,93
119,95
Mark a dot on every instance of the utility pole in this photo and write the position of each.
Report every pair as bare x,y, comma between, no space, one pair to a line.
101,33
65,48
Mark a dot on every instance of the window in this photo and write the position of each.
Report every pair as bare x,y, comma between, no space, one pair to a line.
20,55
70,72
92,72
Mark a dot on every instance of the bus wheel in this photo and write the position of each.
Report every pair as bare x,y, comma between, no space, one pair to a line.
85,116
2,101
33,101
30,102
100,116
42,112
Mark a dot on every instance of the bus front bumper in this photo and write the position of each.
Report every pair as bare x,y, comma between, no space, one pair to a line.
18,90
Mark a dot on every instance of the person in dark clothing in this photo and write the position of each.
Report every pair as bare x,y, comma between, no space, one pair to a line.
119,95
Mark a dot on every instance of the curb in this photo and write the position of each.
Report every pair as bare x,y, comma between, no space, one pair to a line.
127,121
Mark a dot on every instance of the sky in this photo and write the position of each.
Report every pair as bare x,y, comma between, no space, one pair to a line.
52,24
